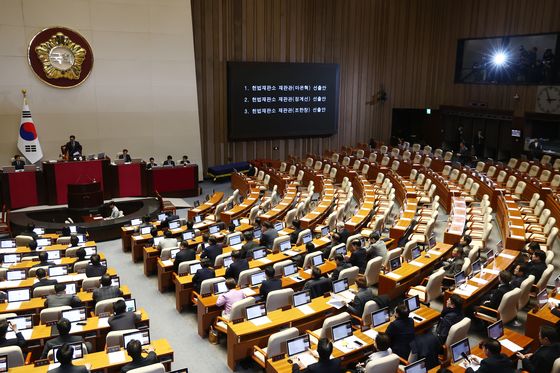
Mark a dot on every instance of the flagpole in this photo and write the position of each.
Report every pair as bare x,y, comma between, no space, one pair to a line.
24,92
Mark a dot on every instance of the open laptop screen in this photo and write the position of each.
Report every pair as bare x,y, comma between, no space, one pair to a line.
298,345
342,331
459,349
143,336
412,303
496,330
340,285
416,367
75,315
289,269
301,298
257,278
460,278
380,317
78,351
255,311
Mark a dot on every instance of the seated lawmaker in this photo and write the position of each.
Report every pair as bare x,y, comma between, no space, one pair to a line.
125,156
44,260
106,291
520,274
537,265
29,231
543,358
325,363
63,326
454,265
95,268
65,356
296,226
249,245
202,274
270,284
152,163
358,257
115,213
340,265
19,340
364,295
73,148
401,332
212,250
42,280
185,160
186,253
169,161
123,319
494,297
237,266
495,361
230,297
18,163
60,298
134,350
317,285
451,314
377,246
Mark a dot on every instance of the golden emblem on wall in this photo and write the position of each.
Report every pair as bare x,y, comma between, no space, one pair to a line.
60,57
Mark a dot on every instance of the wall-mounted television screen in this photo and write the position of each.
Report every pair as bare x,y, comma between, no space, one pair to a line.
515,59
278,100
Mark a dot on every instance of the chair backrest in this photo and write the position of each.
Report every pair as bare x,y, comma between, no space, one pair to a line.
466,266
380,177
534,170
523,166
508,305
491,171
218,211
14,354
385,161
350,274
64,240
556,164
219,261
365,169
245,276
308,260
301,235
373,268
356,165
335,157
292,170
91,283
386,364
115,338
545,176
395,166
318,165
545,159
427,162
501,176
417,159
153,368
106,305
277,341
332,174
512,162
41,291
407,250
369,307
406,155
329,322
279,298
32,271
457,332
395,152
525,293
345,161
446,170
278,267
206,286
433,287
277,241
51,314
551,237
383,149
480,166
327,169
413,174
511,182
448,156
238,308
22,240
360,153
80,267
416,147
454,174
396,252
184,267
545,277
166,252
283,166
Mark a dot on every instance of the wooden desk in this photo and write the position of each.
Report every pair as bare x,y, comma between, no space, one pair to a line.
510,222
400,227
364,193
241,209
398,282
536,319
319,213
100,360
278,211
457,221
206,207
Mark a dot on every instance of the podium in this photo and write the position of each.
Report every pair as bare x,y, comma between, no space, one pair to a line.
85,196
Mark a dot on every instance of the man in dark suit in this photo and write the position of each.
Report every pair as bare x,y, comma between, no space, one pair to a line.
364,295
185,160
543,358
29,231
358,257
325,363
268,234
123,319
335,240
95,269
519,275
185,254
64,355
151,163
63,326
270,284
212,250
202,274
43,260
495,296
106,291
343,232
18,163
41,275
537,265
237,266
451,314
495,361
60,298
318,285
134,349
340,265
249,245
401,332
73,148
19,340
125,156
453,265
169,161
296,225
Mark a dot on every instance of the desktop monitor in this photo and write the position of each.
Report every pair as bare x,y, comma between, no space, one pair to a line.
39,231
234,239
60,270
19,295
460,349
157,240
188,235
289,269
279,225
42,242
416,252
194,267
130,305
213,229
542,297
340,249
496,330
135,222
489,255
90,250
500,246
196,203
257,233
174,224
21,322
143,336
300,298
306,238
116,281
557,282
284,246
259,253
340,285
236,222
256,311
341,331
325,230
460,278
16,274
220,287
380,317
317,260
229,206
76,346
145,230
412,303
432,243
395,263
173,253
227,261
53,254
162,216
418,366
81,238
71,288
75,314
8,244
197,219
298,345
257,278
12,258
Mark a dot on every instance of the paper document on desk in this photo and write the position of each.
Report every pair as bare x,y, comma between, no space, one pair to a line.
510,345
349,344
507,256
394,276
78,277
9,251
554,301
9,284
296,278
336,303
76,328
13,306
416,264
434,252
261,320
103,322
264,260
371,333
53,366
290,252
248,292
167,263
116,357
305,358
479,280
491,271
306,309
466,290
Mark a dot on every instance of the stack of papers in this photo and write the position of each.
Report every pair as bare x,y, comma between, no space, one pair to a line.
510,345
479,280
103,322
248,292
371,333
306,309
507,256
13,306
349,344
394,276
261,321
305,358
116,357
167,263
466,290
416,264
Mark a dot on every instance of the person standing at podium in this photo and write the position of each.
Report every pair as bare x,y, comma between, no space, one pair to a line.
125,156
73,148
18,163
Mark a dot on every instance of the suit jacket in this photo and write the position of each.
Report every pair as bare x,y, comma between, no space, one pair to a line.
401,333
125,158
95,271
453,267
377,249
496,295
294,236
168,163
19,340
19,165
184,255
449,317
57,300
328,366
517,280
235,268
43,282
211,252
356,307
247,249
201,275
338,269
72,149
269,285
267,238
427,346
543,359
124,321
537,269
494,364
70,369
150,165
60,340
359,259
106,292
150,359
318,287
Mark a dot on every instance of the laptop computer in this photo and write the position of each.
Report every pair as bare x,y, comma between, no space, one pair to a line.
174,224
71,288
12,258
42,242
16,274
78,351
157,240
259,253
298,345
476,267
143,336
61,270
7,244
279,225
75,315
115,281
307,238
416,367
460,349
234,239
257,233
173,253
301,298
220,287
3,363
188,235
460,279
194,267
53,254
90,250
236,222
23,322
145,230
317,260
213,229
496,330
416,252
289,269
340,285
324,230
19,295
284,246
130,305
227,261
135,222
256,311
542,297
341,331
380,317
39,231
162,216
257,278
197,219
395,263
413,304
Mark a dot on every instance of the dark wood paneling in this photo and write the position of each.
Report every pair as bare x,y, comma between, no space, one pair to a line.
408,46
